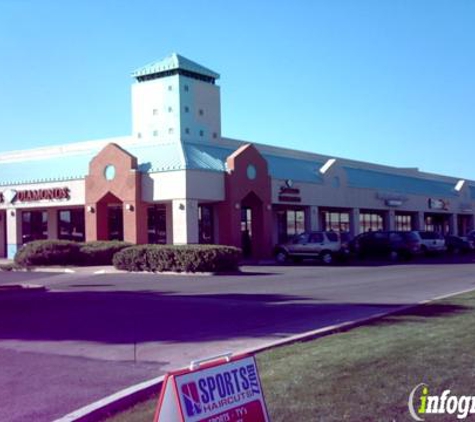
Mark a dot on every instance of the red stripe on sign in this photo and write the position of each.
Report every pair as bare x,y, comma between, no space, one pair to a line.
249,412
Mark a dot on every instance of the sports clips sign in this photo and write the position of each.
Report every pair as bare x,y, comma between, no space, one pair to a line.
224,391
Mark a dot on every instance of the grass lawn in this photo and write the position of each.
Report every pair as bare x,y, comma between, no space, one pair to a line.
367,374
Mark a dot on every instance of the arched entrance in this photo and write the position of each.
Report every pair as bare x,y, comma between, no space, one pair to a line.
110,216
251,225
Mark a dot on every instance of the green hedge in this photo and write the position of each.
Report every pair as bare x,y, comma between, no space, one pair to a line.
100,252
186,258
65,252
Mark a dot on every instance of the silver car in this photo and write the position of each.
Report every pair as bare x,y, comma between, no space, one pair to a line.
319,245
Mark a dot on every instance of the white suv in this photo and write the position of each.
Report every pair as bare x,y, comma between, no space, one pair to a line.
321,245
432,242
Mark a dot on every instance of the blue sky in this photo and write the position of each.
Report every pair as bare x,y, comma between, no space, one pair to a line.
385,81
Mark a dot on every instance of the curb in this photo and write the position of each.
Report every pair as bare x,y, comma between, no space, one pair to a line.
21,287
128,397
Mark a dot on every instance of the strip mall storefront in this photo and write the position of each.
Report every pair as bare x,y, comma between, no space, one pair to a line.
243,206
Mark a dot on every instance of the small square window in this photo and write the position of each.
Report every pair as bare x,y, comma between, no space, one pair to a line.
187,109
155,133
139,135
170,87
155,112
215,135
202,133
186,88
170,109
201,112
170,131
187,130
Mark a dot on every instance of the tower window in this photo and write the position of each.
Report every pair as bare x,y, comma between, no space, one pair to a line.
202,133
155,133
186,88
187,130
170,87
201,112
170,131
170,109
187,109
155,112
215,135
139,135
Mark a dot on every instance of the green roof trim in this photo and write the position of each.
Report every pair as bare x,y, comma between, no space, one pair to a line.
174,62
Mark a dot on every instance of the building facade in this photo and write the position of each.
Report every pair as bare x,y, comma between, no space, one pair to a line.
177,180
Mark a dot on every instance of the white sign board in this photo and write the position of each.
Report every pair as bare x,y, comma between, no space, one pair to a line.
218,392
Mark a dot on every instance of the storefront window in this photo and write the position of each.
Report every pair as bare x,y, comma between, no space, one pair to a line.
370,221
205,224
71,225
437,223
403,222
157,224
34,226
290,223
336,221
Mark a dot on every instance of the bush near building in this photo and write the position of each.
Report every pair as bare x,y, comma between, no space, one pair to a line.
66,252
184,258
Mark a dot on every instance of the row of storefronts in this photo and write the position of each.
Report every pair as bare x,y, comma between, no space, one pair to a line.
164,185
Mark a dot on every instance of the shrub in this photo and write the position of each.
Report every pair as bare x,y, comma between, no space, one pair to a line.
186,258
65,252
100,252
48,252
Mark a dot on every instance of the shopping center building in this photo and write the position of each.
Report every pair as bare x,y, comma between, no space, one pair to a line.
177,180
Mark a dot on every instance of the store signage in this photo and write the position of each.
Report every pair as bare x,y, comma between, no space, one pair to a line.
439,204
466,207
228,391
393,202
11,196
390,199
288,193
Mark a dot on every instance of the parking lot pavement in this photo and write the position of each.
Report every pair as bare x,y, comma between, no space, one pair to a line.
90,335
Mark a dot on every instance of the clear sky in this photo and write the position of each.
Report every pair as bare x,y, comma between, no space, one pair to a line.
385,81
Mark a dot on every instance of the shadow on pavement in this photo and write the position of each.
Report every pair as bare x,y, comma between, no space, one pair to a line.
135,317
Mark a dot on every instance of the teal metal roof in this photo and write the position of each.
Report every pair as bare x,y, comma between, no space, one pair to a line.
359,178
173,62
46,170
294,168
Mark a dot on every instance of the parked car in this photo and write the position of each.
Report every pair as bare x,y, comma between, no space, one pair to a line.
432,242
322,245
471,235
390,244
457,244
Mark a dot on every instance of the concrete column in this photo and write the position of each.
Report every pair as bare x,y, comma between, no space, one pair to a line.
313,218
13,232
185,221
53,229
354,222
453,226
169,223
390,223
3,235
419,223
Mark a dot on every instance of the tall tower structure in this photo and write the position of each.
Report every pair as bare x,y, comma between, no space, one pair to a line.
176,100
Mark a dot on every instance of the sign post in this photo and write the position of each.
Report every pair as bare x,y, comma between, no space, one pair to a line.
218,389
